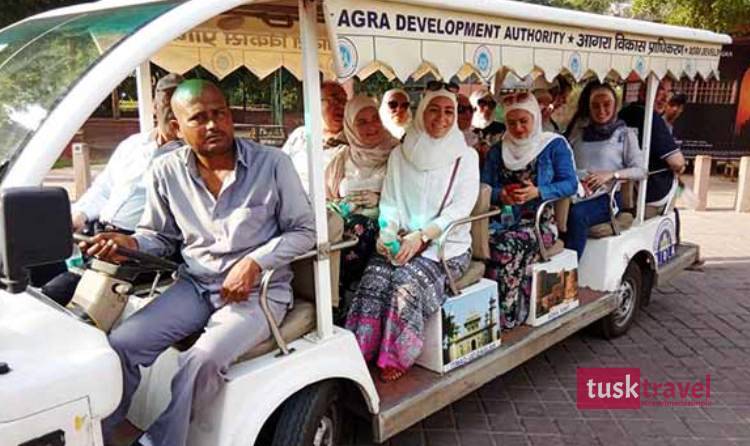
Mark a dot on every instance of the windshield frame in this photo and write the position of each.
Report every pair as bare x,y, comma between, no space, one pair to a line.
70,111
15,147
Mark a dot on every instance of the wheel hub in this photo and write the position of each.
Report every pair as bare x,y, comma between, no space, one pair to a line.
627,303
324,433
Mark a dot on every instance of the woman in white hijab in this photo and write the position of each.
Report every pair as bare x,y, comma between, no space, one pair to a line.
354,178
432,180
395,112
528,167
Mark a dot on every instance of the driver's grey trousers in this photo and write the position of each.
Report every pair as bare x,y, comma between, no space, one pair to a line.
179,312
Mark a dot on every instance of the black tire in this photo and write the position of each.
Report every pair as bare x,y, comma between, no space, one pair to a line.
311,417
619,321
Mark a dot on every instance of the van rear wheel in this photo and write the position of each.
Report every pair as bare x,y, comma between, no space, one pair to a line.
312,417
630,292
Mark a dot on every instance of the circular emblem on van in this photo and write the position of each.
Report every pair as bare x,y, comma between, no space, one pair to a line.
483,61
349,57
665,242
575,65
640,66
222,61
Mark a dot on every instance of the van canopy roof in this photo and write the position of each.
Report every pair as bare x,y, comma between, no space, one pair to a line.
410,38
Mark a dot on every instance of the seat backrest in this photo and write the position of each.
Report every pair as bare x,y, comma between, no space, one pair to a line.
628,194
303,284
480,229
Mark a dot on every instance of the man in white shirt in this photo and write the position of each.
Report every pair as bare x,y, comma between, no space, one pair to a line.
333,98
116,199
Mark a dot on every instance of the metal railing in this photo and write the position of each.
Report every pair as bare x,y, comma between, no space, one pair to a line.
493,211
265,282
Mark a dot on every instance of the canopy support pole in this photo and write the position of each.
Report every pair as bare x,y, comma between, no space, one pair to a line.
145,98
314,134
651,86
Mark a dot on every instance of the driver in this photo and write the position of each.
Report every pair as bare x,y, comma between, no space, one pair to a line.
235,209
115,201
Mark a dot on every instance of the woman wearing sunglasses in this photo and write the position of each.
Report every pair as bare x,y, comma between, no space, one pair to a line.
483,122
432,179
527,167
354,178
605,150
395,112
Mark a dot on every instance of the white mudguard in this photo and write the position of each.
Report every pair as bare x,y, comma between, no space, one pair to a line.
604,260
255,388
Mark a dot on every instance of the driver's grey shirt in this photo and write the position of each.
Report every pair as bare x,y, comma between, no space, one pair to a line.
261,212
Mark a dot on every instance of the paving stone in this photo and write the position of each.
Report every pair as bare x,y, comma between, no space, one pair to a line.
539,425
471,422
510,439
475,439
408,438
530,409
546,440
562,410
574,427
467,406
441,438
705,429
504,423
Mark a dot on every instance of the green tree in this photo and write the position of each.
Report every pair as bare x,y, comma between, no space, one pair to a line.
597,6
17,10
716,15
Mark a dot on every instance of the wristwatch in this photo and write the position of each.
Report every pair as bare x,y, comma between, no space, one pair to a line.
423,237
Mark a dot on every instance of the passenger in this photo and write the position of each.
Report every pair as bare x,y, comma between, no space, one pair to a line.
116,199
234,208
483,122
395,113
665,158
465,112
606,150
333,100
561,89
544,95
581,116
354,179
527,167
674,109
432,180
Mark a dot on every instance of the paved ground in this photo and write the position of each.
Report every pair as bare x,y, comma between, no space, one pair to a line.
698,324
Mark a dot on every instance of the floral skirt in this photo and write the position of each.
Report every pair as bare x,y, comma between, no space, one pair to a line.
393,303
512,254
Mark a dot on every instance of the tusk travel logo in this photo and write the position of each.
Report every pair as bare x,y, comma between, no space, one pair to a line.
625,388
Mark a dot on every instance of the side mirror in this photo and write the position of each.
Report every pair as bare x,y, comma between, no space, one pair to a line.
35,229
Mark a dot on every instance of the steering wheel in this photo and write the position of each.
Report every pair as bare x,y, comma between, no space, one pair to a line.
140,258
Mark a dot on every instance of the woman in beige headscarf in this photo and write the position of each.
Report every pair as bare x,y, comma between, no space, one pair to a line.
354,177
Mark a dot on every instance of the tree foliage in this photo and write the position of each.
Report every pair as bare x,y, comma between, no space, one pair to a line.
715,15
597,6
14,11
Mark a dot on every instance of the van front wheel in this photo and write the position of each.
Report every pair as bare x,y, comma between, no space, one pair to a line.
312,417
630,293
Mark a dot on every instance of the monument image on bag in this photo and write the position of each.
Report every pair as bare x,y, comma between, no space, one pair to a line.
555,288
469,326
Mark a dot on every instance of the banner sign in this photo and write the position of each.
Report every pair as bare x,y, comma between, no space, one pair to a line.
379,32
225,43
